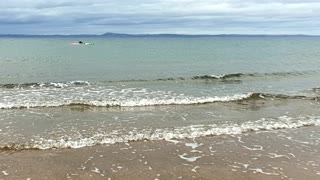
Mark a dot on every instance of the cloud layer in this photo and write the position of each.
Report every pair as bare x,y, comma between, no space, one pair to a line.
160,16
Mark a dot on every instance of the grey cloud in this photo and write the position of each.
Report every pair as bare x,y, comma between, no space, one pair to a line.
189,16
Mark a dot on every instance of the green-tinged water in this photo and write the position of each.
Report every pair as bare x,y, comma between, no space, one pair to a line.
55,60
120,89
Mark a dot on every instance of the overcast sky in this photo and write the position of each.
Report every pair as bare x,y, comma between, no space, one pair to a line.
160,16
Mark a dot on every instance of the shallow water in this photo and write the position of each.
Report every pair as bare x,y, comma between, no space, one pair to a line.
54,95
278,154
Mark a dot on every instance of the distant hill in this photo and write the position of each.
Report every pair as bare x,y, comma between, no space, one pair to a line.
46,36
153,35
119,35
188,35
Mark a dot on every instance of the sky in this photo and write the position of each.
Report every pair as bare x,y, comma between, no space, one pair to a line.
160,16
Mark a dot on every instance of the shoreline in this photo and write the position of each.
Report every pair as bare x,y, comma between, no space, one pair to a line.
279,154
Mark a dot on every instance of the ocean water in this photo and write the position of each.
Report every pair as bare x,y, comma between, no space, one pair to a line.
57,95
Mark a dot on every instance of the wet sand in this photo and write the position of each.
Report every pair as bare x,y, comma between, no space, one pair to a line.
278,154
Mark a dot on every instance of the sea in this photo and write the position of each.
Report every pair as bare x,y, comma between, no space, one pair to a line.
56,95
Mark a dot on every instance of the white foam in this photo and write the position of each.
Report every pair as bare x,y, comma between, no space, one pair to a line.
192,131
189,159
255,148
193,145
259,170
195,169
169,140
218,76
274,155
100,96
96,170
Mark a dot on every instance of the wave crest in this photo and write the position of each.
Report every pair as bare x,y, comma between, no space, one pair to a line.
231,76
44,85
184,100
192,131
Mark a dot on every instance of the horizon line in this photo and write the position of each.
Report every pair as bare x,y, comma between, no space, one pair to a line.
157,34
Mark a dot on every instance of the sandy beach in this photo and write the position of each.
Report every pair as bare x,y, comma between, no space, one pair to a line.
280,154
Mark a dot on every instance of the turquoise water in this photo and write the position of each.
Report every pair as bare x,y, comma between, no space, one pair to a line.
151,71
54,60
50,89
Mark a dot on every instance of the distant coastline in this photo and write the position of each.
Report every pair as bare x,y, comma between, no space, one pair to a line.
121,35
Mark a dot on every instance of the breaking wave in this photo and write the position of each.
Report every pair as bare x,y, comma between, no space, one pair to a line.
155,101
192,131
123,102
232,76
44,85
